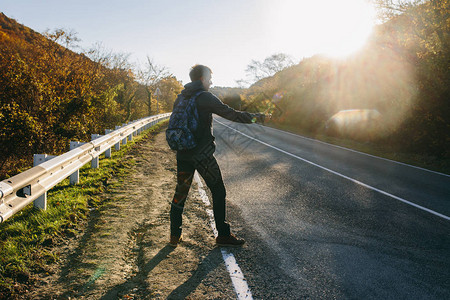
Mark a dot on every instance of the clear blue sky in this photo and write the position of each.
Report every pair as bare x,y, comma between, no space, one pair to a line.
225,35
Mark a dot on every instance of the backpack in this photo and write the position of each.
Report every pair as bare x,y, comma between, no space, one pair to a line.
183,123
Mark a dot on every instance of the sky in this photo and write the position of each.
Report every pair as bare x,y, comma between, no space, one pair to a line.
225,35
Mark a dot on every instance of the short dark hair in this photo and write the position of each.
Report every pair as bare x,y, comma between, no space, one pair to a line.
198,71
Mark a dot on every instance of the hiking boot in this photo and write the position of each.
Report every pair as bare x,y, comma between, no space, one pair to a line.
230,240
175,240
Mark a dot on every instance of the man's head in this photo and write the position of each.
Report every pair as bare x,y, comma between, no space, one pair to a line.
203,73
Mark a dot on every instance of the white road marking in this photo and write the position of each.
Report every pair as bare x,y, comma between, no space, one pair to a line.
237,277
341,175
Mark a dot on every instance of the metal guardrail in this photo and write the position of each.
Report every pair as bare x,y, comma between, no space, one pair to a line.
20,190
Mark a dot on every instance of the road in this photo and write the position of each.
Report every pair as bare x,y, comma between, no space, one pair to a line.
324,222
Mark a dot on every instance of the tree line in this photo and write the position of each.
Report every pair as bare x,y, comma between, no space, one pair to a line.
50,94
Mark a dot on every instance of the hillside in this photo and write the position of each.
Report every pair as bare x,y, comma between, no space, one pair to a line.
50,95
402,73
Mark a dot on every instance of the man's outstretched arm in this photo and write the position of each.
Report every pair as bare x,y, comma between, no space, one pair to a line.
216,106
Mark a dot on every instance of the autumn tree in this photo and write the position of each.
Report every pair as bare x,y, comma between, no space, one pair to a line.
50,94
169,87
423,32
122,80
150,76
258,70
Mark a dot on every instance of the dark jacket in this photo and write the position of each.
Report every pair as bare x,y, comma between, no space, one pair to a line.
208,104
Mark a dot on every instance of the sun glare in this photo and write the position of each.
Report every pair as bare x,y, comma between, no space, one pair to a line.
334,28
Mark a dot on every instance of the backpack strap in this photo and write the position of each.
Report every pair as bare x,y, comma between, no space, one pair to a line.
198,94
195,97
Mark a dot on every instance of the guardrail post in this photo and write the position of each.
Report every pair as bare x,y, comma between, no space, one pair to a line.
41,201
124,140
74,178
117,145
108,152
95,161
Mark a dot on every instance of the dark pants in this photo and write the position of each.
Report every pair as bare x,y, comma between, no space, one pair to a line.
208,168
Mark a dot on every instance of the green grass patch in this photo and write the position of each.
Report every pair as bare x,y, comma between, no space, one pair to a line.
27,239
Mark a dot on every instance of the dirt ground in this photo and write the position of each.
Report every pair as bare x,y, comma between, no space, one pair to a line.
123,254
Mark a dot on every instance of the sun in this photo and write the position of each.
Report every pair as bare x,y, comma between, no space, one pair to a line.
334,28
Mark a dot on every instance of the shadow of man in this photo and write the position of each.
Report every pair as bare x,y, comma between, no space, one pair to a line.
139,279
208,264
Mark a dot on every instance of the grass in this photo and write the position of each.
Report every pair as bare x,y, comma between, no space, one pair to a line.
28,238
424,161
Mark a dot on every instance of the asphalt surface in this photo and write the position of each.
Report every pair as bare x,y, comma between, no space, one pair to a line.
323,222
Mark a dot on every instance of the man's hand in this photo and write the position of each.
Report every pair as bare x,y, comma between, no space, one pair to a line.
259,118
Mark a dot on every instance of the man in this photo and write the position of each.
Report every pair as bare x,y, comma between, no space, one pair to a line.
202,159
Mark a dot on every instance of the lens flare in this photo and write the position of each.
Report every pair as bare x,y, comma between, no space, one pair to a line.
277,97
355,123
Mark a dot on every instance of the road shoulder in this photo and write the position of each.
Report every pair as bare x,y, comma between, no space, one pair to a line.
123,253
